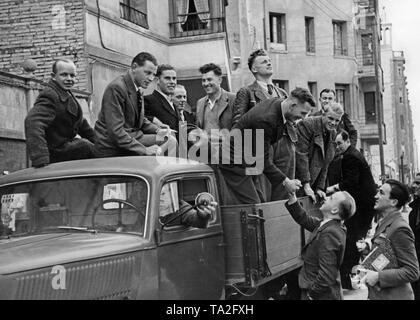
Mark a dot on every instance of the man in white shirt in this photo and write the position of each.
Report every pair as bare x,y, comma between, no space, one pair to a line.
214,111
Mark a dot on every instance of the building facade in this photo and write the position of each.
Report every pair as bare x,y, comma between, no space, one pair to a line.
313,43
400,150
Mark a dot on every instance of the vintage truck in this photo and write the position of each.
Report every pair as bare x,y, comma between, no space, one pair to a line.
90,229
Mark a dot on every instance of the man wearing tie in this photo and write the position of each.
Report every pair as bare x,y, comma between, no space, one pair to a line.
260,65
121,128
179,100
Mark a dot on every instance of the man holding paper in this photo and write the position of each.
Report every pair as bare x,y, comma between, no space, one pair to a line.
393,283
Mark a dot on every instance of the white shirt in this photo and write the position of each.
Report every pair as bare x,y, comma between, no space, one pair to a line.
324,222
210,103
264,85
135,86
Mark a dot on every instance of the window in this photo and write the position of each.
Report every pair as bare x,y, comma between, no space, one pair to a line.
366,6
134,11
402,122
343,96
370,110
111,204
367,51
278,30
175,195
313,89
401,96
340,38
284,84
197,17
310,34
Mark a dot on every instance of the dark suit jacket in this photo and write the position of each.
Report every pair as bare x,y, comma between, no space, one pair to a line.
345,124
414,222
156,105
358,181
248,97
225,107
394,284
312,160
189,218
120,122
55,119
189,117
322,255
267,116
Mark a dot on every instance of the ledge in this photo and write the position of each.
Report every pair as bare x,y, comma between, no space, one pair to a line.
12,134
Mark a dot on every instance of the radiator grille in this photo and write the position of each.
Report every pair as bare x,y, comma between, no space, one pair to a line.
106,279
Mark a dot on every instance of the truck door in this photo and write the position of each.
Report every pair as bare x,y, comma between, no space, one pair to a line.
191,260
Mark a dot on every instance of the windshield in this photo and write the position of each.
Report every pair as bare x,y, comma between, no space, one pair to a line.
114,204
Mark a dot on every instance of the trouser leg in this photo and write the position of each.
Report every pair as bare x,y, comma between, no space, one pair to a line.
75,149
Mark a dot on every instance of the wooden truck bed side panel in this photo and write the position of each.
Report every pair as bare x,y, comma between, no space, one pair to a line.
263,241
282,237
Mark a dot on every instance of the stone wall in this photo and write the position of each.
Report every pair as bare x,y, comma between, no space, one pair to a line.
42,31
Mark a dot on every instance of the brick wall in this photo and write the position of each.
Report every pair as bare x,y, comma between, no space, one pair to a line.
44,31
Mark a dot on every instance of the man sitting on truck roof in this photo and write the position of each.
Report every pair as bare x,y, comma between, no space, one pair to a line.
322,255
171,209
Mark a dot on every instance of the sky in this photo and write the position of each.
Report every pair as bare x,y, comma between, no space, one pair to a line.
404,16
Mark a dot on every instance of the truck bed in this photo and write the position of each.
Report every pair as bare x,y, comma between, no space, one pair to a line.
263,241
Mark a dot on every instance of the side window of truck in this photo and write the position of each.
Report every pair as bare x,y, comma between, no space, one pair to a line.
179,192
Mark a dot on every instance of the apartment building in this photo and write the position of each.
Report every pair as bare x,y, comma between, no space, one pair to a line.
103,36
313,43
400,150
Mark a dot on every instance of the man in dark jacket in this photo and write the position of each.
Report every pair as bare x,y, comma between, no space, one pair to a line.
315,149
393,283
158,106
52,125
259,63
272,118
122,129
322,255
414,221
356,179
175,211
326,97
180,102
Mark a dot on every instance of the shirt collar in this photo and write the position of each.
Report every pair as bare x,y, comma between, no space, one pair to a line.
210,103
135,85
264,85
324,222
168,98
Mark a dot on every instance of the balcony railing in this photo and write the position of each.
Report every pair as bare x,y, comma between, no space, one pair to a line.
133,15
194,26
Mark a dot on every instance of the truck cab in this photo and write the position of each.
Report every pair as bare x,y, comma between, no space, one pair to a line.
90,229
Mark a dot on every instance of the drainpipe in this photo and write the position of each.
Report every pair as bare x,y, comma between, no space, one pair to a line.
264,23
